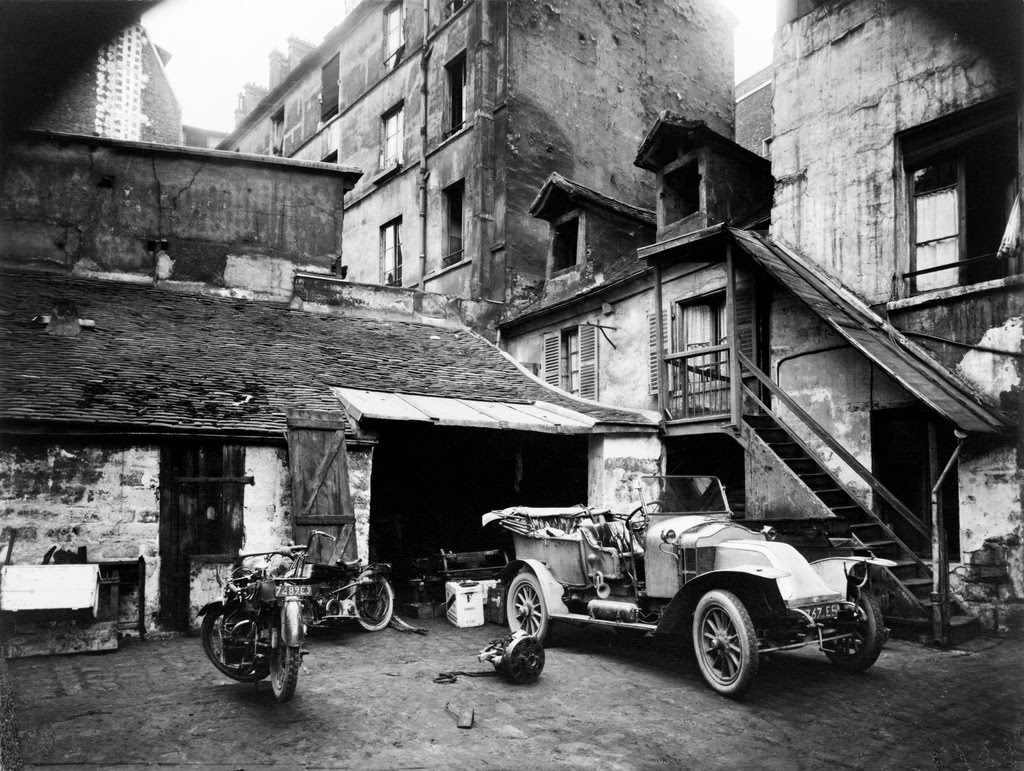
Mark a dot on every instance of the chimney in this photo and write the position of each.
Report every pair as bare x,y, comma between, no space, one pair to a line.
297,51
278,68
250,96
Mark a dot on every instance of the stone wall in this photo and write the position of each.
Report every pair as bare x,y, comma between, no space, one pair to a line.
74,493
181,216
104,495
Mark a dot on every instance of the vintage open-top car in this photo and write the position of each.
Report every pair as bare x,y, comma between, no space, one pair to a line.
680,563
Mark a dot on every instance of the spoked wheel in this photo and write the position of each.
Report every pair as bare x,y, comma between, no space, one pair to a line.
375,602
229,642
285,661
859,651
526,609
725,643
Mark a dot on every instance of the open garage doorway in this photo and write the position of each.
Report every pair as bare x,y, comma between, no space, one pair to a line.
430,486
711,455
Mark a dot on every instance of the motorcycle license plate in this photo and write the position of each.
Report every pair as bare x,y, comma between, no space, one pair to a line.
293,590
828,610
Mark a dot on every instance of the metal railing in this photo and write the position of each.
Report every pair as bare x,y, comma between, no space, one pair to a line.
1002,264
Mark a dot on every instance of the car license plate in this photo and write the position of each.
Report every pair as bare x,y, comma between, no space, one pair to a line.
293,590
828,610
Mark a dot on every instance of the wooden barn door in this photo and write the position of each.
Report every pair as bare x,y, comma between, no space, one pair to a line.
321,497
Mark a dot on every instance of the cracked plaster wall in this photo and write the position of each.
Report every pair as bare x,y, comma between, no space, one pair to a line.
848,76
101,208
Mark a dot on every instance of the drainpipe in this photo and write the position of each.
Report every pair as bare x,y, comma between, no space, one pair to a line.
424,173
940,556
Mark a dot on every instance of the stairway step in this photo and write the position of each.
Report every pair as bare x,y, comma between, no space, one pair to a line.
879,544
817,481
788,450
759,420
843,511
802,465
912,583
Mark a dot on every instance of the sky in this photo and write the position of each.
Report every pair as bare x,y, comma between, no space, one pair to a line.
219,45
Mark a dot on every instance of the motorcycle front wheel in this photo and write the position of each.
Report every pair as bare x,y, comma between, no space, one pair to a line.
229,644
285,661
375,602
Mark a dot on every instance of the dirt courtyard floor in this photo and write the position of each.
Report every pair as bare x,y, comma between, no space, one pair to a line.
604,701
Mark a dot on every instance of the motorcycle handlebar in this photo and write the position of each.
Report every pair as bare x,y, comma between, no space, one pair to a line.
284,551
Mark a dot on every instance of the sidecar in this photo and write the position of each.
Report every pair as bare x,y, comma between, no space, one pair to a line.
681,564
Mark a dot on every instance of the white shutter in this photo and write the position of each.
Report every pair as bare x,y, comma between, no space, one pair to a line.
588,362
652,348
552,375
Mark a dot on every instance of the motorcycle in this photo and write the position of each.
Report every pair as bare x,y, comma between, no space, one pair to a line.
259,627
351,591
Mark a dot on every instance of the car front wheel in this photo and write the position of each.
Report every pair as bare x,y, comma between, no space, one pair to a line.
526,609
861,649
725,643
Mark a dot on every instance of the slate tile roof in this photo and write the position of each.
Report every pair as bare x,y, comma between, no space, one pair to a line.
163,361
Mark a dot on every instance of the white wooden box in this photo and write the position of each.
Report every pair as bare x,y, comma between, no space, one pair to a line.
464,601
50,587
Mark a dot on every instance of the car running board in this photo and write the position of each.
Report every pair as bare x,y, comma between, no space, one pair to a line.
580,618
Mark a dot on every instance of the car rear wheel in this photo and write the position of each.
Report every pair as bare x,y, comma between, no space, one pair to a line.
861,649
725,643
526,609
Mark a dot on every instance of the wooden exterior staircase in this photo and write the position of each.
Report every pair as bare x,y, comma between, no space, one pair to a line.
905,589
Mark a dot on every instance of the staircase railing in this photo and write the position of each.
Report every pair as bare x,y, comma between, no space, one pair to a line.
906,514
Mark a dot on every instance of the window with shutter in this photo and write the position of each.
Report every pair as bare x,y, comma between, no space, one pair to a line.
652,348
552,360
588,362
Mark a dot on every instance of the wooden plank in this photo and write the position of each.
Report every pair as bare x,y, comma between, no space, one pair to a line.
325,519
322,420
60,638
378,404
49,587
216,480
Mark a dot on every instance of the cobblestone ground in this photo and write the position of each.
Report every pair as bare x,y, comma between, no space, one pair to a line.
368,701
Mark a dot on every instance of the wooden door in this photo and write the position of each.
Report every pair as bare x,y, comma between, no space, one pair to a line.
201,505
321,496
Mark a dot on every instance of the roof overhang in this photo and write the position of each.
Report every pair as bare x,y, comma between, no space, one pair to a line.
910,365
672,136
704,245
559,195
537,416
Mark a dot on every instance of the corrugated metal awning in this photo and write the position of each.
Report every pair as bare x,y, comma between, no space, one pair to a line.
910,365
473,413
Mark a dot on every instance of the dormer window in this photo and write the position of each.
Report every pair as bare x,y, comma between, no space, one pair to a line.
680,192
565,242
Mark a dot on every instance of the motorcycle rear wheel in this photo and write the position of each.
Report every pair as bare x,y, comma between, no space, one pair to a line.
213,636
375,603
285,661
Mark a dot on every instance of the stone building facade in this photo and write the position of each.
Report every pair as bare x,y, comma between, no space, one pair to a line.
121,93
458,116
